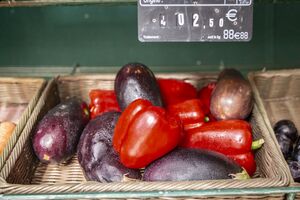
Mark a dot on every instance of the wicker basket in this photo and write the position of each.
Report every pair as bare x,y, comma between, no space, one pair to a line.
278,95
24,174
18,97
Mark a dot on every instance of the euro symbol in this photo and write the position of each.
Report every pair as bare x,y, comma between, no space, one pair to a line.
231,15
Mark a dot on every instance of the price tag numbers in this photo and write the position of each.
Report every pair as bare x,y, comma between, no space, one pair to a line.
191,22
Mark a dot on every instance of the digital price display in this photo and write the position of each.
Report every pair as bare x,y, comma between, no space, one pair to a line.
195,20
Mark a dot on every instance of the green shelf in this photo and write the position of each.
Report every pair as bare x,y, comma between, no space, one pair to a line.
32,3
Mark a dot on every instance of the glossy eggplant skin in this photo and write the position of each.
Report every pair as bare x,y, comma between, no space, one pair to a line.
286,145
96,155
296,151
136,81
56,136
232,98
185,164
286,127
295,170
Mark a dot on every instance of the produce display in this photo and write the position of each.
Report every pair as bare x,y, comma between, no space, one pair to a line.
289,143
168,127
6,130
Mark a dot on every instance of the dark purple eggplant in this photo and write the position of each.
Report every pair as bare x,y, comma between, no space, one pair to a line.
96,155
184,164
295,170
286,127
286,145
296,151
232,98
56,136
136,81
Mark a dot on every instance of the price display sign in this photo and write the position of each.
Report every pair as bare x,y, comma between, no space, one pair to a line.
195,20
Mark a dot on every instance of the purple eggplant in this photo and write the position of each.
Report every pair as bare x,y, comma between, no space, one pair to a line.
184,164
287,128
135,81
96,155
56,136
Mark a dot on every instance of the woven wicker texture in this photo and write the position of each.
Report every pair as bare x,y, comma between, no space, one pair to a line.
24,174
279,93
18,97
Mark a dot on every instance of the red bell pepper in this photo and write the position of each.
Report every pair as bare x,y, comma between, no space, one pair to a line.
229,137
190,113
246,160
124,121
102,101
145,133
175,91
204,95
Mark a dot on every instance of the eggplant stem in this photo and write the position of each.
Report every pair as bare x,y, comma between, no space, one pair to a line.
256,144
240,176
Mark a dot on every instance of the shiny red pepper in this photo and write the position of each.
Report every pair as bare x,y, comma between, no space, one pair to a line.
175,91
102,101
145,133
246,160
190,113
204,95
229,137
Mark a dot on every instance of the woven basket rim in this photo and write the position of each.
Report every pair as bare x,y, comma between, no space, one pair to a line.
21,80
110,76
128,186
282,180
270,73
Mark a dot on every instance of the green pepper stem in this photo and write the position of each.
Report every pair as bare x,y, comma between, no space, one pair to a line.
256,144
206,119
240,176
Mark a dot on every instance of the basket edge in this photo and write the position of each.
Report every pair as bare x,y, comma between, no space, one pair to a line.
263,112
28,125
24,117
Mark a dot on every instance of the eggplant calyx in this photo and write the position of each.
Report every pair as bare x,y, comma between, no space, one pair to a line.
256,144
240,176
125,178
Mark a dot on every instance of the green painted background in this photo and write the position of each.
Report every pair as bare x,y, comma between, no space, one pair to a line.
98,35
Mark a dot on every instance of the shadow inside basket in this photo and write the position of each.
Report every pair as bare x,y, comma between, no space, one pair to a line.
27,170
